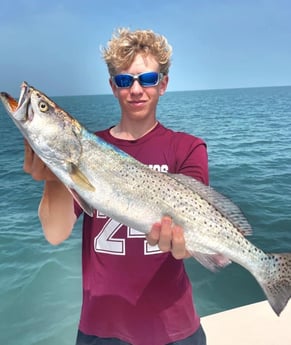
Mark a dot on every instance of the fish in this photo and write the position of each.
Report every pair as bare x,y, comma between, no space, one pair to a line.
102,177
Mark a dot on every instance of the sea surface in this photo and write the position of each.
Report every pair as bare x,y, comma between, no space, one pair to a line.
248,133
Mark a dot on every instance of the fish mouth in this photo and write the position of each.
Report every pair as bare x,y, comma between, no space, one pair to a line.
20,110
9,102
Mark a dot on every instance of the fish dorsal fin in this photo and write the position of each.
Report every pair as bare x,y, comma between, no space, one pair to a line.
220,202
79,178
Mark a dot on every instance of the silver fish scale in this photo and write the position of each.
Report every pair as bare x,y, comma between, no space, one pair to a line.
165,195
206,229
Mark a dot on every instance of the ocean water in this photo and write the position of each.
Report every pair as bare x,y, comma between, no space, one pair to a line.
248,133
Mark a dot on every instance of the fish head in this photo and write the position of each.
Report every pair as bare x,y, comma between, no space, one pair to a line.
21,112
51,132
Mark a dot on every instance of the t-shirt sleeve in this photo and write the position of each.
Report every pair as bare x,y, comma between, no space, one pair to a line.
192,158
77,209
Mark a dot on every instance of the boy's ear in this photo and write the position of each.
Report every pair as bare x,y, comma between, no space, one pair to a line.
163,84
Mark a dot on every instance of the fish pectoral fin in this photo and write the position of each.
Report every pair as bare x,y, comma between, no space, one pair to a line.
213,262
82,203
79,178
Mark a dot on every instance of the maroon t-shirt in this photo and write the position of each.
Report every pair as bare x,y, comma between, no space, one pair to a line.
131,290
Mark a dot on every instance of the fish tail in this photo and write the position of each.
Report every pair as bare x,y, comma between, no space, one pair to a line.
277,283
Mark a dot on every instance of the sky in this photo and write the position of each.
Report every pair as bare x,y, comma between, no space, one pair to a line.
217,44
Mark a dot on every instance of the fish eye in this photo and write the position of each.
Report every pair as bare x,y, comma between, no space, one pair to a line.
43,106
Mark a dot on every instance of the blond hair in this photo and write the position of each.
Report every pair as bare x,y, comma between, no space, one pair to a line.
125,45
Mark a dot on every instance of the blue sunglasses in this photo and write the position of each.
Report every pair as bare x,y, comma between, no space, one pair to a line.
146,79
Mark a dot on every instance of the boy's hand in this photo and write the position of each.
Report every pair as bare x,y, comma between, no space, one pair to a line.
169,237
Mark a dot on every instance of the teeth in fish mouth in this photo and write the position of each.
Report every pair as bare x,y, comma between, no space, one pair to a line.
23,93
24,99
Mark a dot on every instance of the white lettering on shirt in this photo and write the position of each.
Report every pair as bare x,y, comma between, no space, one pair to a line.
161,168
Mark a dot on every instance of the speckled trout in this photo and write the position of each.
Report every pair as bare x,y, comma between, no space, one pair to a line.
102,177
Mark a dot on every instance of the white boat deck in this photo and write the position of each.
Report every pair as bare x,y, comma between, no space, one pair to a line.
254,324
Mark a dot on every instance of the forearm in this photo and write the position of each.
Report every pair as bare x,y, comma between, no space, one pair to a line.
56,212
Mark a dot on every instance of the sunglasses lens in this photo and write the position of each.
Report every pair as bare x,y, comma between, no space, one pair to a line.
149,79
146,79
123,80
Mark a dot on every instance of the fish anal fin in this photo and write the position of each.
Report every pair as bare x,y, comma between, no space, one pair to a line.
213,262
80,179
